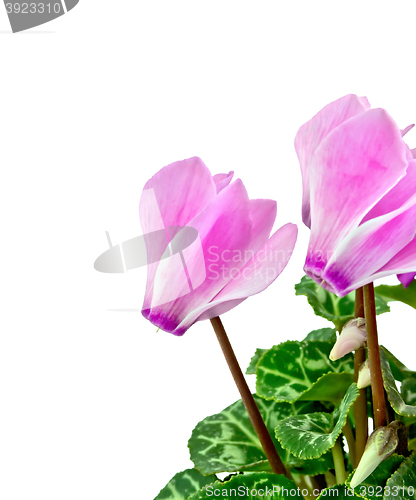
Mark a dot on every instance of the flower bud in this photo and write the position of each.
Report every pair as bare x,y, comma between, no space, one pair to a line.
364,377
352,337
380,445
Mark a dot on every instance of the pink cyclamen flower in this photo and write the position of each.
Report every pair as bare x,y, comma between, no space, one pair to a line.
232,257
359,195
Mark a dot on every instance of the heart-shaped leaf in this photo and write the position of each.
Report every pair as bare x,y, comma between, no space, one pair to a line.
287,371
312,435
227,442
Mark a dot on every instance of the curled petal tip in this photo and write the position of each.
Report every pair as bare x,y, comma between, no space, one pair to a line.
407,129
406,278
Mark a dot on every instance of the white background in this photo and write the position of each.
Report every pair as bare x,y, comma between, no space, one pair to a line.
96,404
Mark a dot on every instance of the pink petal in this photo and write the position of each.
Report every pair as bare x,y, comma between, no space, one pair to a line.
172,197
253,278
312,133
222,180
406,278
397,196
354,166
224,229
182,190
263,215
365,250
403,262
266,265
407,129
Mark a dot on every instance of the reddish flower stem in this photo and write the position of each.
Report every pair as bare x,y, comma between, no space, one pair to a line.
248,400
377,387
360,405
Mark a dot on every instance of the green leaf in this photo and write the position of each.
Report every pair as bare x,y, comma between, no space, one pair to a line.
323,334
373,486
227,442
399,293
330,387
251,370
312,435
399,370
311,467
394,397
251,486
184,484
287,371
329,306
408,390
402,483
412,437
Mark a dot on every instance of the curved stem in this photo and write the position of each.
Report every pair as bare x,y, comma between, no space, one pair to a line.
248,400
347,431
338,457
377,387
303,485
360,405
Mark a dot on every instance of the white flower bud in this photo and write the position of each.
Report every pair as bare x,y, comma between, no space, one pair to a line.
380,445
352,337
364,377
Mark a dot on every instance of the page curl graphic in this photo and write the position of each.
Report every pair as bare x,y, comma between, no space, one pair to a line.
174,251
24,15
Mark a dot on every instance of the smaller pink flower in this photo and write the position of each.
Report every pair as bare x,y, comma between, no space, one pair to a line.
232,258
351,338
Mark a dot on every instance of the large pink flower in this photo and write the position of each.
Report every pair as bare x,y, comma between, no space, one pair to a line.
359,195
232,257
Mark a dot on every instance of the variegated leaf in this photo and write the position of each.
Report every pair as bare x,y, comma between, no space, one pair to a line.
251,370
227,442
287,371
312,435
251,486
184,484
323,334
402,483
394,396
331,307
